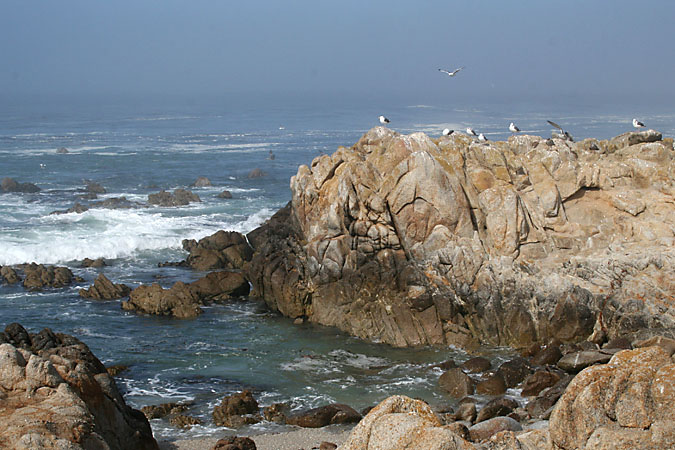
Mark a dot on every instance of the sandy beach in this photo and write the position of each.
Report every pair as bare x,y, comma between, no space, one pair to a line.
302,438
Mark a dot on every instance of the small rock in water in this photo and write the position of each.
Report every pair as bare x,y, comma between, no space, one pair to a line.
62,150
225,194
476,365
256,173
202,182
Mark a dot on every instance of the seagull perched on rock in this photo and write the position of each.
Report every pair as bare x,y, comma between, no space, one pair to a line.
513,128
637,124
448,132
481,137
564,133
470,132
451,74
383,120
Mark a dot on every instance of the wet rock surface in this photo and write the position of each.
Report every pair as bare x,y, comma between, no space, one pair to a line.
179,197
104,289
56,394
414,241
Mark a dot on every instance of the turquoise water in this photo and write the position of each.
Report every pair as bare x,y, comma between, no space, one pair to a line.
137,148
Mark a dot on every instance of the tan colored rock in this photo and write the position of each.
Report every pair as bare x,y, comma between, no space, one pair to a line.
400,423
180,300
104,289
624,404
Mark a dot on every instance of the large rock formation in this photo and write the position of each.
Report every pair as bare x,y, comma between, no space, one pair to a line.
55,394
411,241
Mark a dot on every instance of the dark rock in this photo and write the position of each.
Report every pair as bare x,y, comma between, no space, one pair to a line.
541,404
515,371
575,362
456,383
233,407
163,410
44,340
476,365
256,173
94,263
179,301
467,412
115,370
446,365
235,443
183,421
460,430
220,286
501,406
77,209
9,275
17,336
38,276
180,197
62,150
115,203
324,415
488,428
225,194
492,384
549,355
202,182
11,185
93,187
621,342
104,289
538,381
324,445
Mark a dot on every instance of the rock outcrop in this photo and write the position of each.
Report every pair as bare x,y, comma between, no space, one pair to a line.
222,250
411,241
11,185
180,197
55,394
104,289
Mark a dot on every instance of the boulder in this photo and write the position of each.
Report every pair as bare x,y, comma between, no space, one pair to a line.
183,421
220,286
57,395
234,443
410,241
221,250
180,197
633,138
104,289
548,355
94,263
515,371
62,150
9,275
538,381
624,404
236,410
491,384
225,194
400,422
93,187
202,182
324,415
179,301
541,406
38,276
500,406
256,173
574,362
456,383
163,410
11,185
484,430
476,365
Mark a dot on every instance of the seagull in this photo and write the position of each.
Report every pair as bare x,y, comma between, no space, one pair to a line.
42,165
637,124
481,137
513,128
564,133
383,120
448,132
451,74
470,131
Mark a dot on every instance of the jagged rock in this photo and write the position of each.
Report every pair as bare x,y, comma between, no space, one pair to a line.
202,182
9,275
180,197
541,405
276,412
180,300
574,362
221,250
183,421
410,241
625,404
59,396
633,138
163,410
324,415
225,194
236,410
456,383
221,286
400,422
538,381
93,187
104,289
11,185
38,276
95,263
115,370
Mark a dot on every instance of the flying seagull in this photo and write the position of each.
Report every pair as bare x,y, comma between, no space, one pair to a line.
513,128
481,137
564,133
470,132
448,132
637,124
451,74
383,120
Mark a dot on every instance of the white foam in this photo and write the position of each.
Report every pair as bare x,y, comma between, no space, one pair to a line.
225,148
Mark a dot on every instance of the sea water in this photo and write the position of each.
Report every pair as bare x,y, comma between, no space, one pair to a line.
134,148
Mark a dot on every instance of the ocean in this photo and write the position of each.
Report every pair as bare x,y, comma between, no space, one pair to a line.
135,147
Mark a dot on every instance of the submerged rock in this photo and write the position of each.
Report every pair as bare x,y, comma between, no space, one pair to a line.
56,394
39,276
11,185
180,197
410,241
202,182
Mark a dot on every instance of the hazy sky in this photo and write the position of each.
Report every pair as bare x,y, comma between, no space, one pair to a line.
522,48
